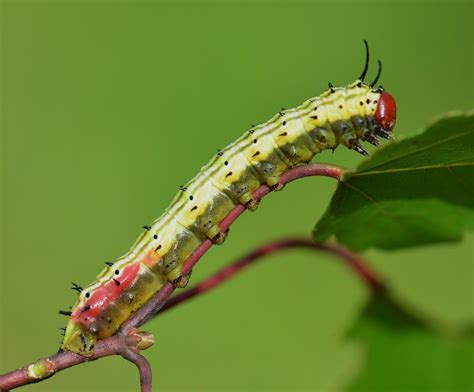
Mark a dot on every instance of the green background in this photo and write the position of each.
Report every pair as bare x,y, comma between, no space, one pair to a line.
108,106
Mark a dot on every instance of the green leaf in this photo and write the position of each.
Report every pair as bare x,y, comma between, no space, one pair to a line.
416,191
403,352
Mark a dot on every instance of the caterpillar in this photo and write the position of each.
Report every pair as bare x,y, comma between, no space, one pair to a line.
340,115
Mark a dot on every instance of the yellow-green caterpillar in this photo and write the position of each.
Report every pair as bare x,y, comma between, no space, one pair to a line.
260,156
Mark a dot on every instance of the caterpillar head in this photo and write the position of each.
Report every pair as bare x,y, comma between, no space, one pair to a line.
385,115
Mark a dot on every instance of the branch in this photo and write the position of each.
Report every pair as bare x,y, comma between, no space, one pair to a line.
128,341
43,368
355,263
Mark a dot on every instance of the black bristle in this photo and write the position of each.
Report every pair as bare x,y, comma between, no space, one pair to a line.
109,263
76,287
65,312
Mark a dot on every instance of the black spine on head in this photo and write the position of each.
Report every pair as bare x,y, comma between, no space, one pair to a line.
366,66
379,72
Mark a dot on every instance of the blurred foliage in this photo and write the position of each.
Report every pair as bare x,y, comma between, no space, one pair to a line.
413,192
404,350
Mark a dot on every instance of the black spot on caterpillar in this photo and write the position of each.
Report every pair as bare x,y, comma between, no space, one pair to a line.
290,138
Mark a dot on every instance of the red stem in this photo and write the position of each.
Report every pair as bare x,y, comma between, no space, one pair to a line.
350,259
144,369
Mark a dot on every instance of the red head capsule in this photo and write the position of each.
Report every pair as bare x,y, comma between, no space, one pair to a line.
386,112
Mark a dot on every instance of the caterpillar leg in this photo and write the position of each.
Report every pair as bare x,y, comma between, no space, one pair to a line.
272,181
176,277
372,139
252,204
215,235
353,144
219,238
277,187
248,201
181,281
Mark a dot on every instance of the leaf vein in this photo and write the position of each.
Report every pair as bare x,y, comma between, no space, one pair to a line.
427,147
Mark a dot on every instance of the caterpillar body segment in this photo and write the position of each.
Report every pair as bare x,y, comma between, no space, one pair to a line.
346,116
